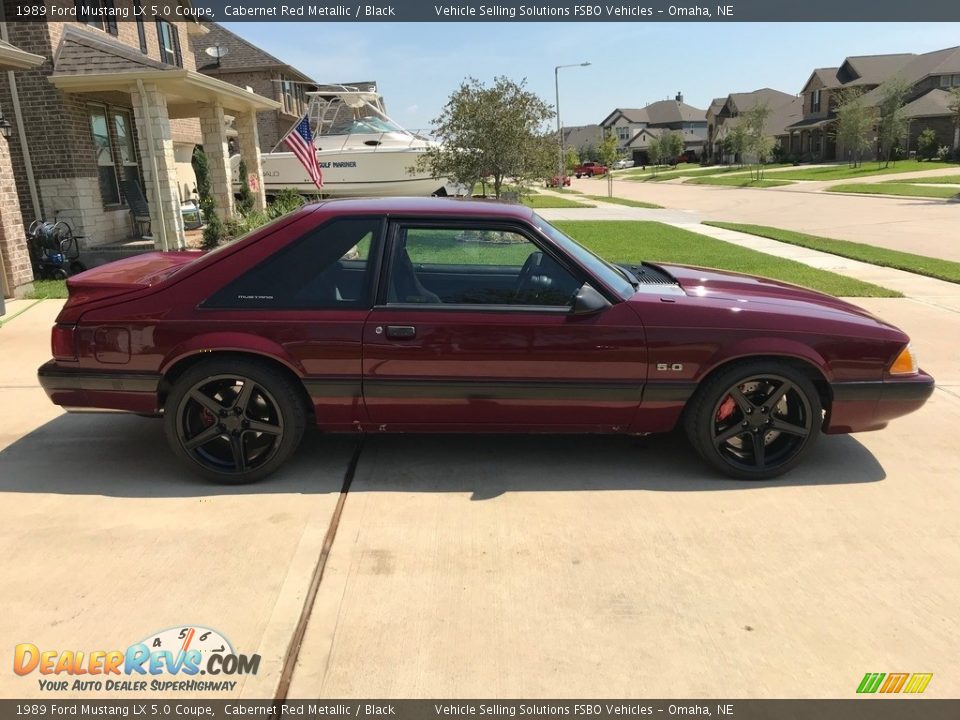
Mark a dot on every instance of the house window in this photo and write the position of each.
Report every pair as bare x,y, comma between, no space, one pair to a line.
116,153
944,81
287,89
106,168
141,28
815,101
623,134
169,38
103,20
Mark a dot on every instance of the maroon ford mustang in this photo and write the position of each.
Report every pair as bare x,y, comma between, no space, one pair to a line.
439,315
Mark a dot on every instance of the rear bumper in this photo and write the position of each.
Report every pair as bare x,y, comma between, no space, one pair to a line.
862,406
82,389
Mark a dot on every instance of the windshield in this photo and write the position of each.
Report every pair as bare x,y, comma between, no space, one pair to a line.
368,125
610,276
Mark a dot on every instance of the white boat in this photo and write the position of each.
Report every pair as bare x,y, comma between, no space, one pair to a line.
361,151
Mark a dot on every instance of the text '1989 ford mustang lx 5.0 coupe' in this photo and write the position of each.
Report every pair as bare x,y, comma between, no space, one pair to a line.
439,315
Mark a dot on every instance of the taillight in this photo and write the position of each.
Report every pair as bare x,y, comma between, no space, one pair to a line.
905,363
62,342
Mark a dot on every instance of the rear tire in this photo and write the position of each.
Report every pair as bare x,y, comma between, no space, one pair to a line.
754,420
233,420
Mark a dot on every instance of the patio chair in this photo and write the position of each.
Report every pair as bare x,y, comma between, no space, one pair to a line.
138,206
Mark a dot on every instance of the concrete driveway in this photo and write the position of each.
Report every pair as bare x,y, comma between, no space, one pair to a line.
497,566
915,225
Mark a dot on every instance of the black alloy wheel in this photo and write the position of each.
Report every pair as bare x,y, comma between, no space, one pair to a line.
754,422
236,424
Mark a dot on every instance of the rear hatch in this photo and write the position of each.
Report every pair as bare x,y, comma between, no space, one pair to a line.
123,277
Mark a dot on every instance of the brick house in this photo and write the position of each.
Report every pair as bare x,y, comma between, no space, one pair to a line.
634,128
115,102
246,65
15,270
724,114
930,77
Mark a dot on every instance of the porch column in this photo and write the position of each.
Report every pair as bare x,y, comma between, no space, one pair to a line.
159,171
214,129
249,143
13,243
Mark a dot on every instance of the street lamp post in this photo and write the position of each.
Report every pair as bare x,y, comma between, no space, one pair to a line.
556,82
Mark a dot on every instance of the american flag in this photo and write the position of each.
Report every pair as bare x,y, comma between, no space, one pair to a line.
300,142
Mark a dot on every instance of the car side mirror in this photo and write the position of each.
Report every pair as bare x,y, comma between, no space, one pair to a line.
588,301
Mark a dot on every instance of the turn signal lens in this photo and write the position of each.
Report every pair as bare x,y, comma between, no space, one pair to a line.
62,343
906,363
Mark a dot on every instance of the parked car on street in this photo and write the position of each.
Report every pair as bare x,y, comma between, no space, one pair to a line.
623,164
590,169
439,315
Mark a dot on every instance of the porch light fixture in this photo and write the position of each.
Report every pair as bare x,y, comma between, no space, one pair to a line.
6,129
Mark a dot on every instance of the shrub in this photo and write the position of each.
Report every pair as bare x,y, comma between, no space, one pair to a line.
927,144
944,153
285,201
213,231
245,200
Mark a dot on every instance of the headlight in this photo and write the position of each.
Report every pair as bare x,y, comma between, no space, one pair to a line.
906,363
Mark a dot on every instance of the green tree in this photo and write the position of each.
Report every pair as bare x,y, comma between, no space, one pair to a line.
245,199
609,150
495,131
954,105
891,121
213,230
757,143
672,146
854,126
655,153
927,145
571,160
738,142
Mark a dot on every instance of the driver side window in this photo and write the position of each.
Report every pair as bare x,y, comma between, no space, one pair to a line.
475,266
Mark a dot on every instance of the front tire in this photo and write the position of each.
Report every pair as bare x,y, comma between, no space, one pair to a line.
754,420
233,420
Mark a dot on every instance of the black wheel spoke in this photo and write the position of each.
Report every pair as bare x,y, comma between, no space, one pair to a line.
746,407
774,397
239,459
263,427
208,402
243,398
203,437
729,434
789,428
759,449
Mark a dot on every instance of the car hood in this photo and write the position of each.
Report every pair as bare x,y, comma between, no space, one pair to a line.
738,287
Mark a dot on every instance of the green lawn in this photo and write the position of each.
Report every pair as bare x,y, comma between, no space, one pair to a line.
44,289
904,189
920,264
551,201
625,201
634,241
941,180
845,172
743,181
694,170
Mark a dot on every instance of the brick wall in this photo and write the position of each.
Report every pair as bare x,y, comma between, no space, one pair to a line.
942,126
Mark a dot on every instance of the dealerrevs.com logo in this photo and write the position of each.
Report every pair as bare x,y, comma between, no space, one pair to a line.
166,661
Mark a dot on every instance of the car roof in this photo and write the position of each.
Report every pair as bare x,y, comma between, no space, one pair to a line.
427,206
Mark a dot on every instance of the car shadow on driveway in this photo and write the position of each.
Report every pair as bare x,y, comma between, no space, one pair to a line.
490,465
124,456
127,456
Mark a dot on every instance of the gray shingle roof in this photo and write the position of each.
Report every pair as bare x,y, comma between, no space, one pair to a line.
82,53
938,62
871,69
935,103
242,55
582,136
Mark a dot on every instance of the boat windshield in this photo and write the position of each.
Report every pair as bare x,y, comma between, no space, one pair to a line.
367,125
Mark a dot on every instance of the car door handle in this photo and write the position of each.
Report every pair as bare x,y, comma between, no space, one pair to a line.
401,332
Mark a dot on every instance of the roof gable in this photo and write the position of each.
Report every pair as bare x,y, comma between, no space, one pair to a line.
81,52
242,55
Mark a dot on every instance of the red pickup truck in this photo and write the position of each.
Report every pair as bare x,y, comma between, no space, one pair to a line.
590,169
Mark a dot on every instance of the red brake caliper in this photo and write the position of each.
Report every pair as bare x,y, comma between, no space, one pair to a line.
726,409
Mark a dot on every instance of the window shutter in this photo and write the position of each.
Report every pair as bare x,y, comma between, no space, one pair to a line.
111,23
175,33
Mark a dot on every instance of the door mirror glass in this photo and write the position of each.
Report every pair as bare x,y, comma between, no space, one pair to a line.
588,301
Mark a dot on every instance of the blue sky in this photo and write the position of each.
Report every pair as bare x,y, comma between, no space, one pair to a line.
418,65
